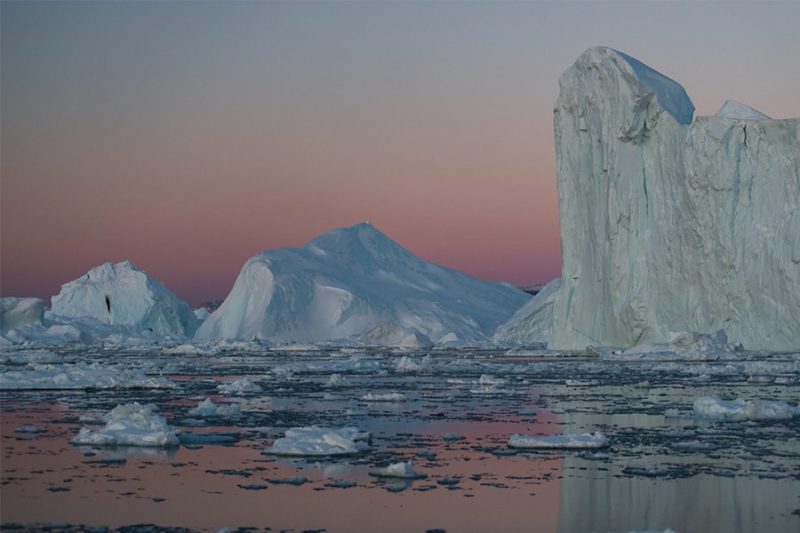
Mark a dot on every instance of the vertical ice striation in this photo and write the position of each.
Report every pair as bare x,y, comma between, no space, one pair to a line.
669,224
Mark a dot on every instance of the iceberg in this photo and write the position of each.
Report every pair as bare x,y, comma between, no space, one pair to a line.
533,323
315,441
131,424
356,282
123,296
17,312
713,408
671,222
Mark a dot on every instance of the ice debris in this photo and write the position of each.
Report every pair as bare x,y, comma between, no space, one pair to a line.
713,408
208,408
401,470
316,441
240,386
566,441
131,424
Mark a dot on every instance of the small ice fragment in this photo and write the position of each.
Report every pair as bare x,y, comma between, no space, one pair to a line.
131,424
320,441
240,386
28,429
401,470
388,397
566,441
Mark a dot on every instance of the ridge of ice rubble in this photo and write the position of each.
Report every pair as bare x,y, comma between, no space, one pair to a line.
355,285
732,109
123,296
80,376
131,424
563,441
316,441
668,223
713,408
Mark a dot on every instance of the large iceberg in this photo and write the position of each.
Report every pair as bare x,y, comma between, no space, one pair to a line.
123,296
670,223
356,281
533,323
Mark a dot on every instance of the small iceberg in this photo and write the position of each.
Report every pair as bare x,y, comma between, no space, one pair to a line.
316,441
389,397
131,424
401,470
239,387
564,441
208,408
713,408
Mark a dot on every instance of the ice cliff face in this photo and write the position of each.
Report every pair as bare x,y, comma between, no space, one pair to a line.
669,224
122,295
17,312
533,323
353,282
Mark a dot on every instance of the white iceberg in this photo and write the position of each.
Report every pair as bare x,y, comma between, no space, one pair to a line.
127,298
240,386
316,441
713,408
353,283
533,323
207,408
388,397
671,222
131,424
18,312
564,441
401,470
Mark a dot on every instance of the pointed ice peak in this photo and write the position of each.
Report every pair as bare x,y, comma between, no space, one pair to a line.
738,111
108,270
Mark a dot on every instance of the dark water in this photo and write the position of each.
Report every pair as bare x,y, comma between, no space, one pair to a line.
452,428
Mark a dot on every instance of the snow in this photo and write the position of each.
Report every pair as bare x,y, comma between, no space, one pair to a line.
356,284
566,441
316,441
207,408
732,109
131,424
80,376
401,470
668,223
17,312
388,397
713,408
239,387
123,296
533,323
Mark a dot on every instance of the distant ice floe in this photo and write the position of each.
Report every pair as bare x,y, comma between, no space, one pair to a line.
208,408
240,386
388,397
316,441
24,357
564,441
131,424
401,470
713,408
79,376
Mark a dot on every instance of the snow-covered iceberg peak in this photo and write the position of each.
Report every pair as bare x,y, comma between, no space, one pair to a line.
668,223
737,111
122,295
356,281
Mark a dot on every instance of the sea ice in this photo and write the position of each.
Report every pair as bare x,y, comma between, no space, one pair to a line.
240,386
78,376
713,408
208,408
320,441
131,424
388,397
567,440
401,470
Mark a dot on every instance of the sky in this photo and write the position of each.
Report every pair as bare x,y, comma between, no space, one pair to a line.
189,136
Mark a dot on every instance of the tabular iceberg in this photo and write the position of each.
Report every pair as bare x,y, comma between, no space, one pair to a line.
353,282
122,295
668,223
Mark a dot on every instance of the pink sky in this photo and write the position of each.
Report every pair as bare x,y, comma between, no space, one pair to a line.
187,137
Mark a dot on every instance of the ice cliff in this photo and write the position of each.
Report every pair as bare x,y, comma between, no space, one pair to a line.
17,312
356,283
121,295
670,223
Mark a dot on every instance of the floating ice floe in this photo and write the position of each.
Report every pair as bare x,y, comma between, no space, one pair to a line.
131,424
407,365
240,386
682,346
94,376
401,470
564,441
388,397
316,441
24,357
335,380
208,408
714,408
